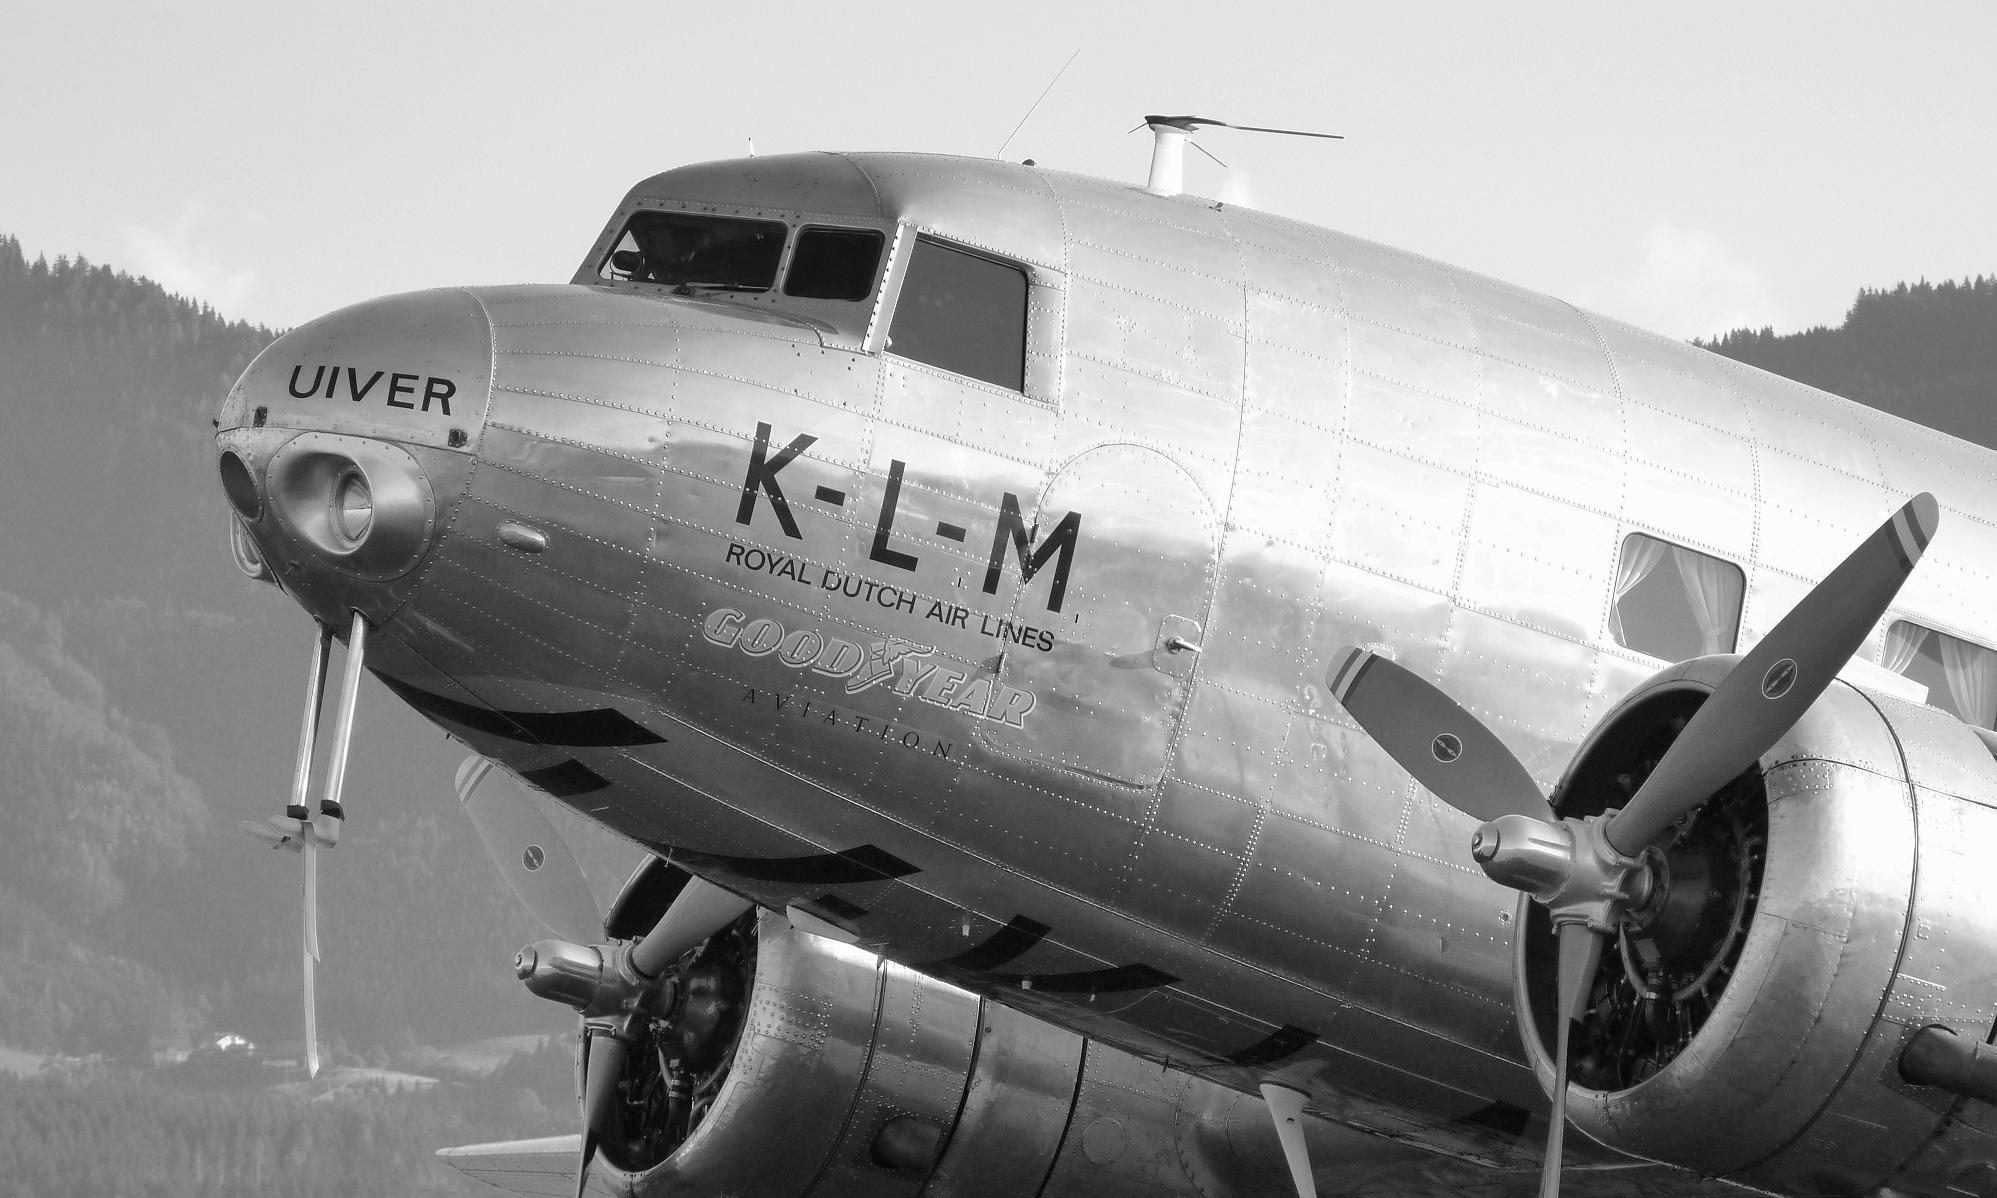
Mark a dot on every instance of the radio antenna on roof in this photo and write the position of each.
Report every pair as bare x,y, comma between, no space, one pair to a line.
1168,147
1036,103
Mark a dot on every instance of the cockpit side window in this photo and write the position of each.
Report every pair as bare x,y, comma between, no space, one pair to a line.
834,264
963,312
698,252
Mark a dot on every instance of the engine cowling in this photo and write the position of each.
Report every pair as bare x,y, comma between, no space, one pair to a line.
1817,914
846,1074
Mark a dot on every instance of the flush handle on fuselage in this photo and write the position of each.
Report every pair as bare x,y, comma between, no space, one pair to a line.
1178,646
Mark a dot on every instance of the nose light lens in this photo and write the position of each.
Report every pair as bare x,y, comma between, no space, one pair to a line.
240,486
353,507
360,506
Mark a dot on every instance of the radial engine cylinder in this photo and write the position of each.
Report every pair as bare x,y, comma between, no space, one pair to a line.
851,1075
1810,922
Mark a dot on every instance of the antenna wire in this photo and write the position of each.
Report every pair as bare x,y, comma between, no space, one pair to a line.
1036,103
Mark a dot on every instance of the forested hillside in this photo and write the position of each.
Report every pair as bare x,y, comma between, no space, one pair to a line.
148,700
176,1132
91,810
1926,351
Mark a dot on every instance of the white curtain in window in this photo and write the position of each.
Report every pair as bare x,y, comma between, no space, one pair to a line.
1715,589
1903,644
1972,680
1640,556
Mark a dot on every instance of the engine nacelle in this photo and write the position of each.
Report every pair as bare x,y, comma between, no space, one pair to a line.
1819,913
847,1074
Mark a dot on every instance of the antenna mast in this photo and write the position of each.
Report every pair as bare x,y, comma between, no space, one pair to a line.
1169,136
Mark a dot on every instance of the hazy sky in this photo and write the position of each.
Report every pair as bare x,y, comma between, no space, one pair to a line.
1690,166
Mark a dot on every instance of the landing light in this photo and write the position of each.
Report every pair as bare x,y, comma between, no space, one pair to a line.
354,504
353,507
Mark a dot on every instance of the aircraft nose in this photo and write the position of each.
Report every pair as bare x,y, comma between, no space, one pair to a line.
344,444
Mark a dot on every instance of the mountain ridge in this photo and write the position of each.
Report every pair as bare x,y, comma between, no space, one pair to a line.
1924,351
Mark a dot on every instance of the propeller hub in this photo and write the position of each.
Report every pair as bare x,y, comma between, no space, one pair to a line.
575,974
1569,865
1526,854
597,980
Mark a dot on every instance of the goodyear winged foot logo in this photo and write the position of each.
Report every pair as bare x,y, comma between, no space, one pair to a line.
903,666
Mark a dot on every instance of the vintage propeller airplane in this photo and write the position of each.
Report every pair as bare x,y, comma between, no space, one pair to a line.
1126,694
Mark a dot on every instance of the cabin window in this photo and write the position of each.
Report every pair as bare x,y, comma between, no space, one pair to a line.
962,312
1961,676
696,252
834,264
1672,602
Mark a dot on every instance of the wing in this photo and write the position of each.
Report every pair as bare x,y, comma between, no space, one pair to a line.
546,1166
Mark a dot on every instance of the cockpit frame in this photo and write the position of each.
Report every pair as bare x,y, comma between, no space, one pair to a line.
861,326
839,323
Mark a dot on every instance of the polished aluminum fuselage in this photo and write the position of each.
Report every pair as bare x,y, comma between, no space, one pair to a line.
1130,808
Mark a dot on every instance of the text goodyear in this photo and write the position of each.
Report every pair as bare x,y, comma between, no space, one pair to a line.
901,665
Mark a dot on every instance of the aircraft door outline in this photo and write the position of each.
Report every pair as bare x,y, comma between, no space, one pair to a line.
1114,687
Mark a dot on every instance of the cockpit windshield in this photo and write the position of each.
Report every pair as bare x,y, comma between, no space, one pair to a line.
698,252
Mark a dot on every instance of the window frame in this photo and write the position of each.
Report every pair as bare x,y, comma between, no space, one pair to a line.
1614,607
840,324
1046,315
707,291
796,241
1947,688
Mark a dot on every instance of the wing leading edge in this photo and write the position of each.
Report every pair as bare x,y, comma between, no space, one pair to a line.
543,1167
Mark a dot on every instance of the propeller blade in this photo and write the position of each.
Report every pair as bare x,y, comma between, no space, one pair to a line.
310,852
1286,1108
1556,1129
1430,736
311,955
701,910
644,898
311,1020
531,855
603,1069
1770,689
1580,957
